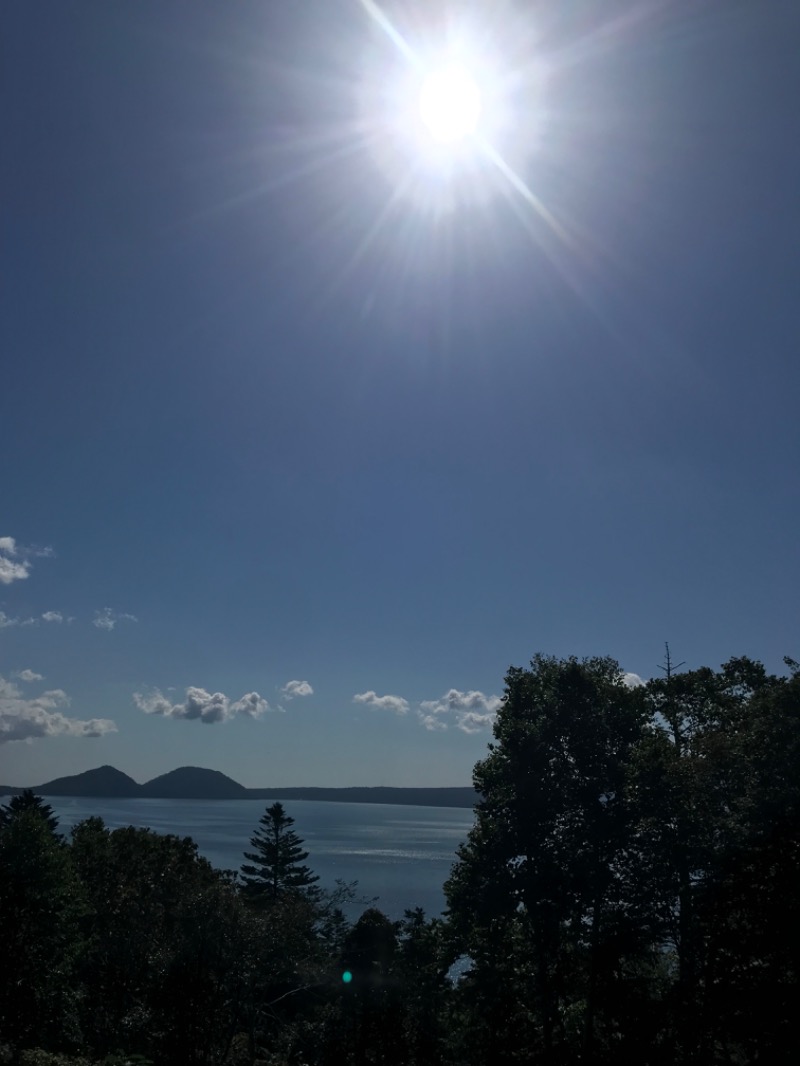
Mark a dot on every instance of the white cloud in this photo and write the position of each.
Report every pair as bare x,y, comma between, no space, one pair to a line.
431,722
396,704
296,688
633,680
108,618
6,621
15,560
11,567
29,675
471,712
251,705
208,707
28,719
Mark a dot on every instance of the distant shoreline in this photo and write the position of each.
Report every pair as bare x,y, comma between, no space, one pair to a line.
191,782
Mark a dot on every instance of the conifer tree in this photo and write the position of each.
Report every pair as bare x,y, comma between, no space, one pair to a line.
275,865
28,801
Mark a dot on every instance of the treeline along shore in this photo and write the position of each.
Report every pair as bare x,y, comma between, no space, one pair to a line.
629,893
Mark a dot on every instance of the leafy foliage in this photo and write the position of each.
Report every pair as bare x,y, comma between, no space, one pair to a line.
612,893
40,909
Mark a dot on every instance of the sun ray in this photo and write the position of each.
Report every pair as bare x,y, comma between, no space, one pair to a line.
368,239
527,194
450,110
382,20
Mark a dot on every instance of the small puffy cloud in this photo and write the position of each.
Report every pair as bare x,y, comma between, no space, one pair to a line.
29,675
155,703
471,712
108,618
6,622
15,560
296,688
633,680
12,571
395,704
431,722
251,705
12,568
29,719
208,707
52,616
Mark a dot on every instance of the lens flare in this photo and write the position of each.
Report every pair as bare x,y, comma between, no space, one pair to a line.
450,104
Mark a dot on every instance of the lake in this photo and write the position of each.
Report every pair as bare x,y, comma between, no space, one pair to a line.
400,854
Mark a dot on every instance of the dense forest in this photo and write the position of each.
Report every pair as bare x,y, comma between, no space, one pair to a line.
630,893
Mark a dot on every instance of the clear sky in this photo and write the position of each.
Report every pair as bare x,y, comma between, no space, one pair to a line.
293,396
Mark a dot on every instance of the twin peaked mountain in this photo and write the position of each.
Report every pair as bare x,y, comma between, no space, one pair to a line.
194,782
189,782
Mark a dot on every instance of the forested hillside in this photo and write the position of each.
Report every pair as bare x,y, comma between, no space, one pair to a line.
630,893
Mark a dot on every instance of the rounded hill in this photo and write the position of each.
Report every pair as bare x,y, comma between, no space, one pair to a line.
193,782
102,781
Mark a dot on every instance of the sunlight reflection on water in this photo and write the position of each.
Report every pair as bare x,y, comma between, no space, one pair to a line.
401,855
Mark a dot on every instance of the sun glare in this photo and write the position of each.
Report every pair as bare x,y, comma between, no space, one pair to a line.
450,104
451,109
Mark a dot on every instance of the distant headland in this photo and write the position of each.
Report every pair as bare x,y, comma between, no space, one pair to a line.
195,782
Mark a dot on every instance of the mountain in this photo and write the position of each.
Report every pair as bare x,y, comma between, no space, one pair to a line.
193,782
104,781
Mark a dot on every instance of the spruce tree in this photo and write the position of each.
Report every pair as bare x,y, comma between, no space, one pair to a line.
275,865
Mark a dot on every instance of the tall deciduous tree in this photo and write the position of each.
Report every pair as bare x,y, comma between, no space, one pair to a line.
537,892
144,892
275,867
717,787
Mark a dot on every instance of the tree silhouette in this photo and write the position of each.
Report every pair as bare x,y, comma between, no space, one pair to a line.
41,904
28,801
537,897
275,865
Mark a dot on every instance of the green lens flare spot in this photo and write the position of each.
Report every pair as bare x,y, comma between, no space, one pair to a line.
347,977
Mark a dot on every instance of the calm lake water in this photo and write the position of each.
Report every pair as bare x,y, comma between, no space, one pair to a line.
402,855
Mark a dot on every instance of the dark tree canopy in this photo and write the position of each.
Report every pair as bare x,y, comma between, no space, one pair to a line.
41,904
629,893
275,867
542,875
631,888
28,801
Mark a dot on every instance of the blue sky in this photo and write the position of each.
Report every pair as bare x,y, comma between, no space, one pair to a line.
282,402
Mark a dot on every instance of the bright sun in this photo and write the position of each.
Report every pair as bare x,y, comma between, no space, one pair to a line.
450,104
449,113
